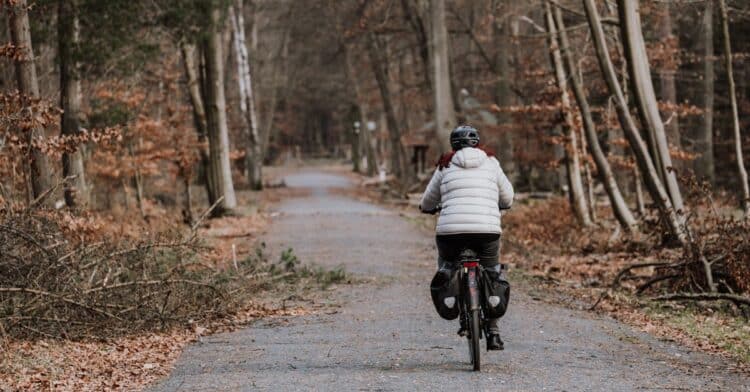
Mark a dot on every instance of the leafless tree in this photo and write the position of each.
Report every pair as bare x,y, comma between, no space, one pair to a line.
745,196
70,100
219,167
606,175
572,151
28,85
640,150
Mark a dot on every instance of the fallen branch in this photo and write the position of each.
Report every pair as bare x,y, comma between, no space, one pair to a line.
653,281
55,296
737,299
150,283
205,214
631,267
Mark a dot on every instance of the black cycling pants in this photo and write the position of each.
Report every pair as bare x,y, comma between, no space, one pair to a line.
486,246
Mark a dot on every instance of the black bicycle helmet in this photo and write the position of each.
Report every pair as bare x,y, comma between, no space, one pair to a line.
464,136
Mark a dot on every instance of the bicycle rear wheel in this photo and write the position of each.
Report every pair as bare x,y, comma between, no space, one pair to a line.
473,339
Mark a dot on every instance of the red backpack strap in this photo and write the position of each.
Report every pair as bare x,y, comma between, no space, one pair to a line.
445,160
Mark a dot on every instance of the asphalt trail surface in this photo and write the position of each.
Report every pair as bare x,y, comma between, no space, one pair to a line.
387,337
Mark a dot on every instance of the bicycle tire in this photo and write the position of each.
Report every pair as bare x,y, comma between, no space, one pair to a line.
474,337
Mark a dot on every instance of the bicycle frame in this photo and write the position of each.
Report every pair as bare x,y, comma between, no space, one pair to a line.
470,282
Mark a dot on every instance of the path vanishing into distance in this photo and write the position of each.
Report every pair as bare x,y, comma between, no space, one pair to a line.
386,336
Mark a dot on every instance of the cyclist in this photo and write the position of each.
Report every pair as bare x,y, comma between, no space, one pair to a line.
470,188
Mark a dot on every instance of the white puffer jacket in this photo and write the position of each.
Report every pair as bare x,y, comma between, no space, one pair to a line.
471,192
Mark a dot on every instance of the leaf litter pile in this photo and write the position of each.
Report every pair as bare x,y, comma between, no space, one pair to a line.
640,280
82,310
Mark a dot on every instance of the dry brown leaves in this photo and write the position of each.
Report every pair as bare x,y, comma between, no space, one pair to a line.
576,266
121,364
232,237
127,363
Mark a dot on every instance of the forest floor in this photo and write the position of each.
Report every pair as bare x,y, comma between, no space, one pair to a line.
381,333
132,361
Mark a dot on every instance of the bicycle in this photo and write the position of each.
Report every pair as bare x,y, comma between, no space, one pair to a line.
470,304
471,315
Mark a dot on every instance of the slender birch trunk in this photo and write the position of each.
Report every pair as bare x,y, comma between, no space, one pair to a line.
252,142
20,34
640,150
572,161
219,166
735,115
76,193
445,116
606,175
645,98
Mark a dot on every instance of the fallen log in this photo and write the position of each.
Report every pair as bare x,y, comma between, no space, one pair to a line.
736,299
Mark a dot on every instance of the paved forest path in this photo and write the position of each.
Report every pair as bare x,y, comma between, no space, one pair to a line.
387,337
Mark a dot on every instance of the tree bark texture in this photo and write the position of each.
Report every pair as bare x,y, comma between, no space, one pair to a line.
704,141
364,130
643,91
252,140
503,93
398,160
572,160
194,84
638,146
666,79
742,173
26,78
219,166
606,175
76,192
445,116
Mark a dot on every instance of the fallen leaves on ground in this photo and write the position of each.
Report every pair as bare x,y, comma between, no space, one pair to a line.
121,364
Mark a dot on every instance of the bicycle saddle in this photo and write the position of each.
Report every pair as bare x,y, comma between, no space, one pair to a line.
467,255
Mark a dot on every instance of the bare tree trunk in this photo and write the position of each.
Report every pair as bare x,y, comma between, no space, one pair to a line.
606,175
645,98
281,65
136,180
356,147
187,212
639,199
252,142
503,92
572,161
398,160
70,101
745,201
28,85
704,141
364,131
199,110
666,80
640,150
219,166
415,19
445,116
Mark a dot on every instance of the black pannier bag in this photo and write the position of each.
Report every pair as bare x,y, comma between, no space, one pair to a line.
495,294
444,289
